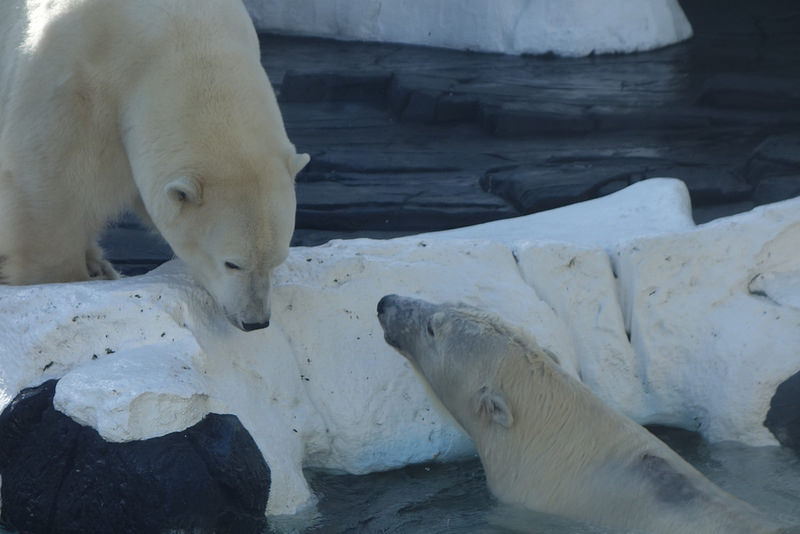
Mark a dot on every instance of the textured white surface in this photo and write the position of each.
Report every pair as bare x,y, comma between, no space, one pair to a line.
714,317
651,207
712,310
564,27
166,393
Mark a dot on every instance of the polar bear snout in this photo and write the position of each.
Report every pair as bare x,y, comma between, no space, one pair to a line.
248,305
249,327
406,325
397,317
248,322
387,303
255,316
401,310
385,309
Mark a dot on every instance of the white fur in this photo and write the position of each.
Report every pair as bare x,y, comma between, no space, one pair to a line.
546,442
110,105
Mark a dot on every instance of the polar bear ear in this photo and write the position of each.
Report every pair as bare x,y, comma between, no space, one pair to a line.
184,190
297,162
492,403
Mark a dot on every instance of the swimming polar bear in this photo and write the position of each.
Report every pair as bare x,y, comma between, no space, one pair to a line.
158,106
545,441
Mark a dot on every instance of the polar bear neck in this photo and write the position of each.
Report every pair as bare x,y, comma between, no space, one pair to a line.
553,415
566,449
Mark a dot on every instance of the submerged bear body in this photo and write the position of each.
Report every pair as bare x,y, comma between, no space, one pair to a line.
545,441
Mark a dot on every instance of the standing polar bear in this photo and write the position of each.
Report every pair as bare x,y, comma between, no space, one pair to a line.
545,441
157,106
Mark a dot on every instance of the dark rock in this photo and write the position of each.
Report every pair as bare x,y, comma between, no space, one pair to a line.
381,202
783,417
434,105
421,106
704,214
517,119
652,119
61,477
398,96
778,155
746,91
775,188
133,248
557,184
332,86
376,166
416,98
455,107
774,169
530,191
134,251
709,185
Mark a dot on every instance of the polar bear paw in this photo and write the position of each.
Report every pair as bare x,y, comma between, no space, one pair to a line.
98,267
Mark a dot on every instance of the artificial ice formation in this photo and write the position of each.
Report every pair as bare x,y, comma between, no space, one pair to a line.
562,27
665,321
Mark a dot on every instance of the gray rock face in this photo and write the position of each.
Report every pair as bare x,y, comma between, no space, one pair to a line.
542,132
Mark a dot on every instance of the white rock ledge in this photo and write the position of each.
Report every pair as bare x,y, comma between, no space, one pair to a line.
712,310
563,27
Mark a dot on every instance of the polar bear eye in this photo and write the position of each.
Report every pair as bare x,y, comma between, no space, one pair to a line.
232,266
430,327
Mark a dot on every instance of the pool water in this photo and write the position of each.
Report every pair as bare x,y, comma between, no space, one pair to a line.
453,498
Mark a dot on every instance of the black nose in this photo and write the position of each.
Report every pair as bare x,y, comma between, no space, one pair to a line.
249,327
383,302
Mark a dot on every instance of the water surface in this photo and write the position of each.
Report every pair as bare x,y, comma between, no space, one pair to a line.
453,498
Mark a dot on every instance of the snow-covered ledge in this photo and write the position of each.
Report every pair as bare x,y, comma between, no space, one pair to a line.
712,313
563,27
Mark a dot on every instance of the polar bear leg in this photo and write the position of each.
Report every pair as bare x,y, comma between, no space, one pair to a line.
17,270
50,249
30,266
97,266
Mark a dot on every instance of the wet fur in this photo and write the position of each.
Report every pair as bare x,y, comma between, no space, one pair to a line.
559,449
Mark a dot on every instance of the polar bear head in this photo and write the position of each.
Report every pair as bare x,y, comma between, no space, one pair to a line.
477,365
214,167
233,235
460,352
